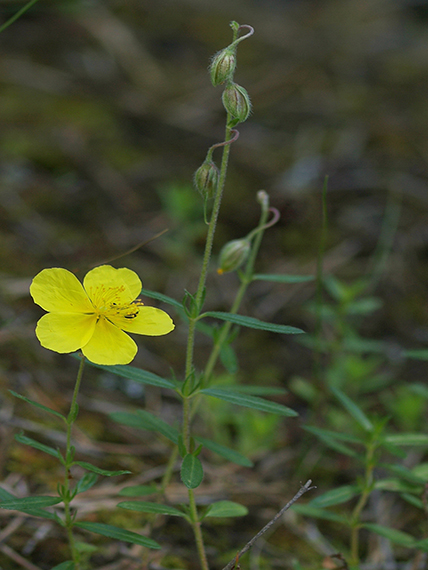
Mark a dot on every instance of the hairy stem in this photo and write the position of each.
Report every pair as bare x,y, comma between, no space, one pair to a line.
68,462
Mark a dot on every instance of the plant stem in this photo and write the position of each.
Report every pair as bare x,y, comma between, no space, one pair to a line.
355,518
17,15
202,280
196,525
246,279
69,455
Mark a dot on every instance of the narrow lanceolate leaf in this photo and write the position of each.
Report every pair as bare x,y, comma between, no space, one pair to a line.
408,439
29,503
336,496
136,374
34,511
99,471
147,507
192,472
319,513
37,405
85,483
138,490
252,323
163,298
40,446
319,432
229,454
68,565
145,420
353,409
249,401
118,534
283,278
395,536
417,354
226,509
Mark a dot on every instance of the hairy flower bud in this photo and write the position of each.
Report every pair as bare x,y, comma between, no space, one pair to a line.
206,179
237,102
233,255
222,66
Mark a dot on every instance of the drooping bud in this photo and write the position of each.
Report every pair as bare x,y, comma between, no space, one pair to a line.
206,178
222,66
237,102
233,255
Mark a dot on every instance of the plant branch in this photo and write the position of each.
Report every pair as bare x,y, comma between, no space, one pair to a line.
306,487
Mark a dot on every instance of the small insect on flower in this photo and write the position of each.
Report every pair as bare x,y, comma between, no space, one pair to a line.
95,317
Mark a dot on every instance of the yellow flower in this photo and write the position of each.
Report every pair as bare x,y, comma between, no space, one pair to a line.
93,317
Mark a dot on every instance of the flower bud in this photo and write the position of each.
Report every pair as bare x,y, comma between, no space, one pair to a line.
205,179
222,66
237,102
233,255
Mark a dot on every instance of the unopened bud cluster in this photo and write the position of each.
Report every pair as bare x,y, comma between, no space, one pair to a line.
233,255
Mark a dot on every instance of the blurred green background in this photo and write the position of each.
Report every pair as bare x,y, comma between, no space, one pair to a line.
106,110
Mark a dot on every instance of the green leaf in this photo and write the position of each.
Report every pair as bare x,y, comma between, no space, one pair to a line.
336,496
404,473
249,401
405,439
138,490
147,507
258,390
417,354
393,484
118,534
137,375
40,446
283,278
192,472
226,509
16,504
229,454
319,513
228,358
145,420
163,298
68,565
353,409
319,432
99,471
40,406
34,511
395,536
252,323
85,483
423,545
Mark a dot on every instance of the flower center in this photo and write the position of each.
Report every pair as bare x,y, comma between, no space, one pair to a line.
108,304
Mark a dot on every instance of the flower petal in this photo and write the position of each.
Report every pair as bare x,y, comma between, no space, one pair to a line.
65,332
105,283
149,321
57,289
109,345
